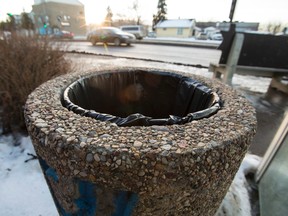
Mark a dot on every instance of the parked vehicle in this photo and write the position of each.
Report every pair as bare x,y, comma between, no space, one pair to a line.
137,30
202,36
110,35
216,36
152,35
63,35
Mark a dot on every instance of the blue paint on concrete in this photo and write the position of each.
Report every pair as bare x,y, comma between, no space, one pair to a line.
62,212
120,200
87,200
48,171
43,164
131,204
125,202
52,173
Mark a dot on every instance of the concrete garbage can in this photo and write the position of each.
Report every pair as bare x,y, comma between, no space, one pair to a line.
138,141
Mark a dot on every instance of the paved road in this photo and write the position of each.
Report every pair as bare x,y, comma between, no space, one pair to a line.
176,54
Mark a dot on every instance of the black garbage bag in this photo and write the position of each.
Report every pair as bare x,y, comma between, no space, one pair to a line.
140,97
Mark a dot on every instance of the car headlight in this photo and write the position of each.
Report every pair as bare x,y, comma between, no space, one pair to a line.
125,36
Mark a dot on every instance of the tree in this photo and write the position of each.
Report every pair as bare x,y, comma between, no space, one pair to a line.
274,27
11,23
108,18
135,8
26,22
131,17
3,26
161,13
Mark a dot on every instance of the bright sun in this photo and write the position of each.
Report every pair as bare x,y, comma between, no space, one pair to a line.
94,18
96,13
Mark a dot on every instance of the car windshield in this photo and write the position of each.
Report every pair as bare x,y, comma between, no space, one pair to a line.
130,29
115,30
107,30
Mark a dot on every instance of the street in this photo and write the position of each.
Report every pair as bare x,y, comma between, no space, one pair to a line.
166,53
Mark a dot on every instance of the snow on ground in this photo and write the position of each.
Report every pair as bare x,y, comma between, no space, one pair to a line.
190,39
88,62
237,199
23,190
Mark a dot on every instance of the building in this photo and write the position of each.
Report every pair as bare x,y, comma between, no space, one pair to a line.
181,28
224,26
54,15
204,25
240,26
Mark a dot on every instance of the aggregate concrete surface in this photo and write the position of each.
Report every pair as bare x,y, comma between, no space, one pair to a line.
158,163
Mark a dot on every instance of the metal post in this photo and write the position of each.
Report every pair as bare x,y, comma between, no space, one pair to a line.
232,9
233,58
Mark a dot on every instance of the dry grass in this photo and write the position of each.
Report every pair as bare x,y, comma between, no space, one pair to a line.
25,63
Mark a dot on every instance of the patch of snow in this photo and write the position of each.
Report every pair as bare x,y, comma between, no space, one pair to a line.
251,83
23,189
190,39
237,200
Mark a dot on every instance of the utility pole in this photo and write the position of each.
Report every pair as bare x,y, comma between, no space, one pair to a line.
232,9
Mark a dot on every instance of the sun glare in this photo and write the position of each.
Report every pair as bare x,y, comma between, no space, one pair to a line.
96,13
94,18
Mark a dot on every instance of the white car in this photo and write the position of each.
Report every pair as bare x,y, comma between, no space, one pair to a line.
137,30
216,36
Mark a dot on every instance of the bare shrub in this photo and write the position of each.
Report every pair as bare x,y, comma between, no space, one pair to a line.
25,63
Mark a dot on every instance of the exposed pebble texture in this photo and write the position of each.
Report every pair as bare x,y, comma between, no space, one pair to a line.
175,169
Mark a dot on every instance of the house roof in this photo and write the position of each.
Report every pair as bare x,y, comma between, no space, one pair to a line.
71,2
176,23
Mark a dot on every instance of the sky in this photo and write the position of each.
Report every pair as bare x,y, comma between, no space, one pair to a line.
263,11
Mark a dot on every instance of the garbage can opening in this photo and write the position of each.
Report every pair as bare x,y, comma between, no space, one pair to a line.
140,97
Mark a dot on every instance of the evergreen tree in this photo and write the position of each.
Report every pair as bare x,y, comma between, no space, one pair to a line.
161,13
11,23
3,26
26,22
108,18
